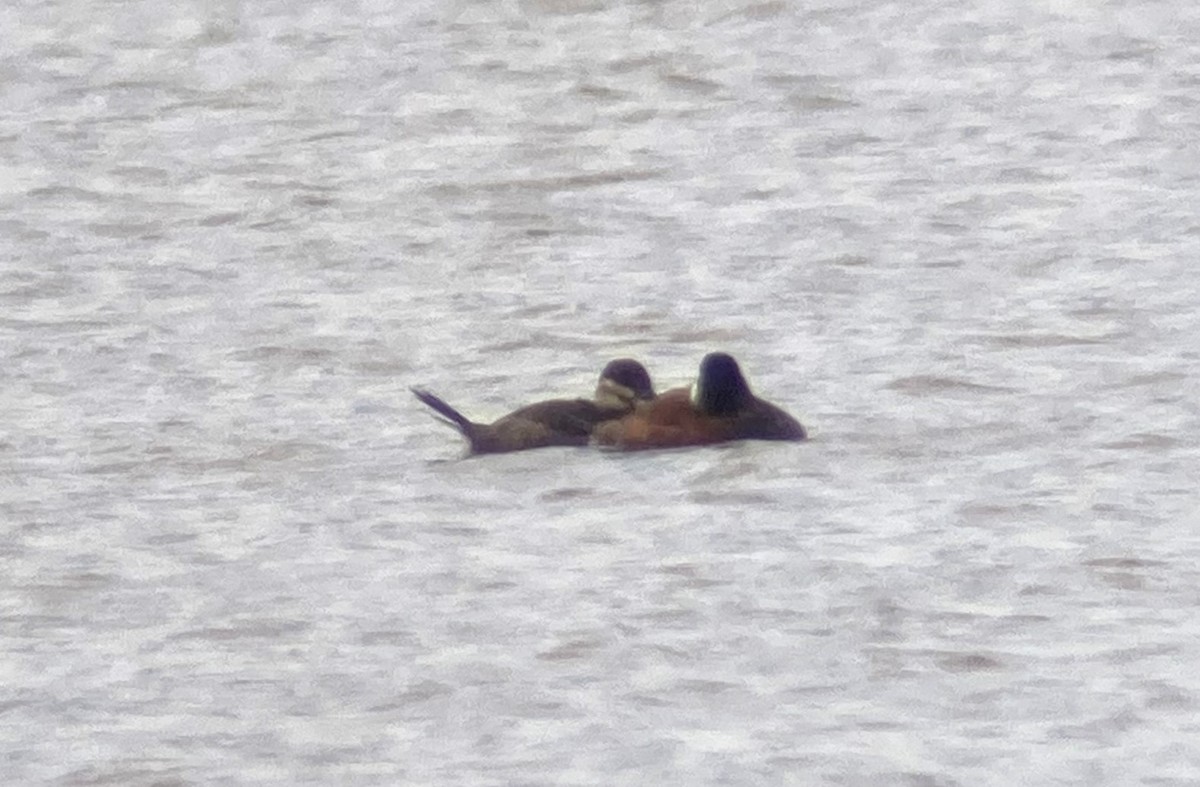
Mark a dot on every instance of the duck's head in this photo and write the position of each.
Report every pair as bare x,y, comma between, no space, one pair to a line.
721,389
624,381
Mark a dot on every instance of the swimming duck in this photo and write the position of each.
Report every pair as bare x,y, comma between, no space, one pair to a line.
622,384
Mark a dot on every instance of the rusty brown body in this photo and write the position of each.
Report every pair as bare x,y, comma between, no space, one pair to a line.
718,409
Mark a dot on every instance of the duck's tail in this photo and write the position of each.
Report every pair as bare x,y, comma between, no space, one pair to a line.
449,415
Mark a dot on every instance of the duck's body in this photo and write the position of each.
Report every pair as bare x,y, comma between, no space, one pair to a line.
623,383
720,407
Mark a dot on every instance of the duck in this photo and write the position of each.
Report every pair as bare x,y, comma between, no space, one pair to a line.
719,407
555,422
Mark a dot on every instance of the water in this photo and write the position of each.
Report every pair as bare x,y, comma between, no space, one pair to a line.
958,242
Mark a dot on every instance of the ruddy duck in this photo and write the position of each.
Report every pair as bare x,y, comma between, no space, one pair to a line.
717,408
623,383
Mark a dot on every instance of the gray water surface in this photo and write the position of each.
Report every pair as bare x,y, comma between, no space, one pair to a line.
959,241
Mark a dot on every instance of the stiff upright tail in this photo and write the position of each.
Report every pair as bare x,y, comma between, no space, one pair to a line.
449,414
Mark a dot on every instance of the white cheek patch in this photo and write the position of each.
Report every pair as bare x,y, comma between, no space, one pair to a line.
694,394
612,394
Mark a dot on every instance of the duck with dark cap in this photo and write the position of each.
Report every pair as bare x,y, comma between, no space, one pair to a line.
717,408
623,383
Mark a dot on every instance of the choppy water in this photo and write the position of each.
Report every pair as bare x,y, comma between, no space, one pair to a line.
958,241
